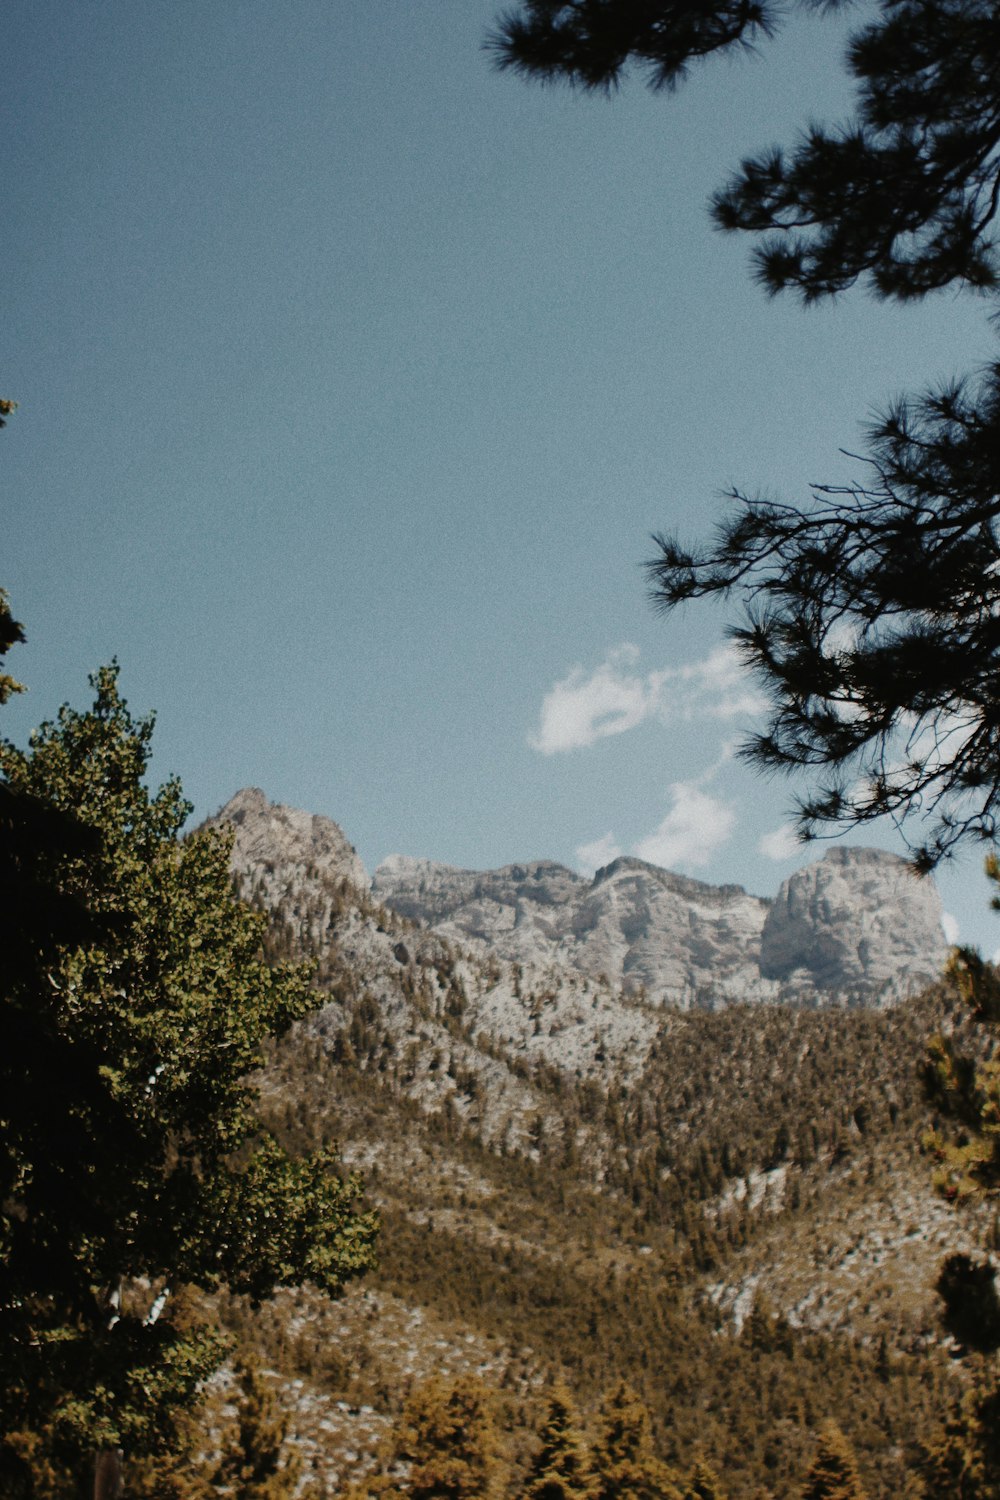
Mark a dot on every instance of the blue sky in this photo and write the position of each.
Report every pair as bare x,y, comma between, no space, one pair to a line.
353,379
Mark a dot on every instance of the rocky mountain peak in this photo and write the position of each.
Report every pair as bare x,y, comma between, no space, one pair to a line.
856,926
270,835
858,920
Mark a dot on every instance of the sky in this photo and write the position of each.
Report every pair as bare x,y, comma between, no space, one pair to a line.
354,377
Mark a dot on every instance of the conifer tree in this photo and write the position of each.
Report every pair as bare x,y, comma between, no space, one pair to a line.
132,1161
833,1474
561,1469
255,1463
447,1438
867,610
703,1483
625,1466
962,1460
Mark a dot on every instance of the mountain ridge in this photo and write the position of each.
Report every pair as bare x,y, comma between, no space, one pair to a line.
855,927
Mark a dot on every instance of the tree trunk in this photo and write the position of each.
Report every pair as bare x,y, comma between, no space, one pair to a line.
108,1474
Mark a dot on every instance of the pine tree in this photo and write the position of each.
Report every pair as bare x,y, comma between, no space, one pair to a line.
868,610
833,1474
625,1465
962,1461
448,1440
703,1483
255,1463
561,1469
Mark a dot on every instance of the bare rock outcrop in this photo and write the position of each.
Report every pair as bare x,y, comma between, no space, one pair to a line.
856,926
858,921
269,835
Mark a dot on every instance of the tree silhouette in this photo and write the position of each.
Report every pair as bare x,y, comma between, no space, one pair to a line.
869,612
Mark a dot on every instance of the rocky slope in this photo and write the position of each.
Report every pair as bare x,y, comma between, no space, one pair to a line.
575,1177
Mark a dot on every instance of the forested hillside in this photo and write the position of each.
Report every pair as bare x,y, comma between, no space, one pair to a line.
730,1210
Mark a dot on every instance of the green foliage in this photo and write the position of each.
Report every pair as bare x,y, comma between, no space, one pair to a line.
833,1474
132,1161
703,1483
561,1469
962,1079
11,634
254,1464
233,1443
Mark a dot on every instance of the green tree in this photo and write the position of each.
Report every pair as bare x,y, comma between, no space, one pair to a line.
447,1438
132,1162
561,1469
625,1466
868,611
964,1086
833,1474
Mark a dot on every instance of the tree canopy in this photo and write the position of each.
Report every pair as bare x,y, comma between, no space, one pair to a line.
870,611
132,1162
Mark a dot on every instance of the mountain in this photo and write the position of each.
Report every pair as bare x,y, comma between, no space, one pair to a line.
855,927
725,1203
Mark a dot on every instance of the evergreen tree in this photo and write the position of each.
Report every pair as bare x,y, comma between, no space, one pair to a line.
448,1440
561,1469
962,1461
703,1483
255,1463
625,1465
833,1474
131,1158
868,611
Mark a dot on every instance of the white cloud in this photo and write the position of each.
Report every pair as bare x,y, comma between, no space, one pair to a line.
950,928
580,709
717,687
780,843
694,828
592,857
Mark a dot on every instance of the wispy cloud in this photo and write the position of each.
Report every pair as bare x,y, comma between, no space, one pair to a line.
781,843
695,827
950,927
581,709
592,857
584,707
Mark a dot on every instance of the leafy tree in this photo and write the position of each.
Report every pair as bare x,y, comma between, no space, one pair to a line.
561,1469
448,1439
833,1474
870,612
624,1463
132,1163
11,634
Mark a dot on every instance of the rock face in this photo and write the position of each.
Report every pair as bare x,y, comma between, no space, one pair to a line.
679,941
858,921
856,926
269,835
